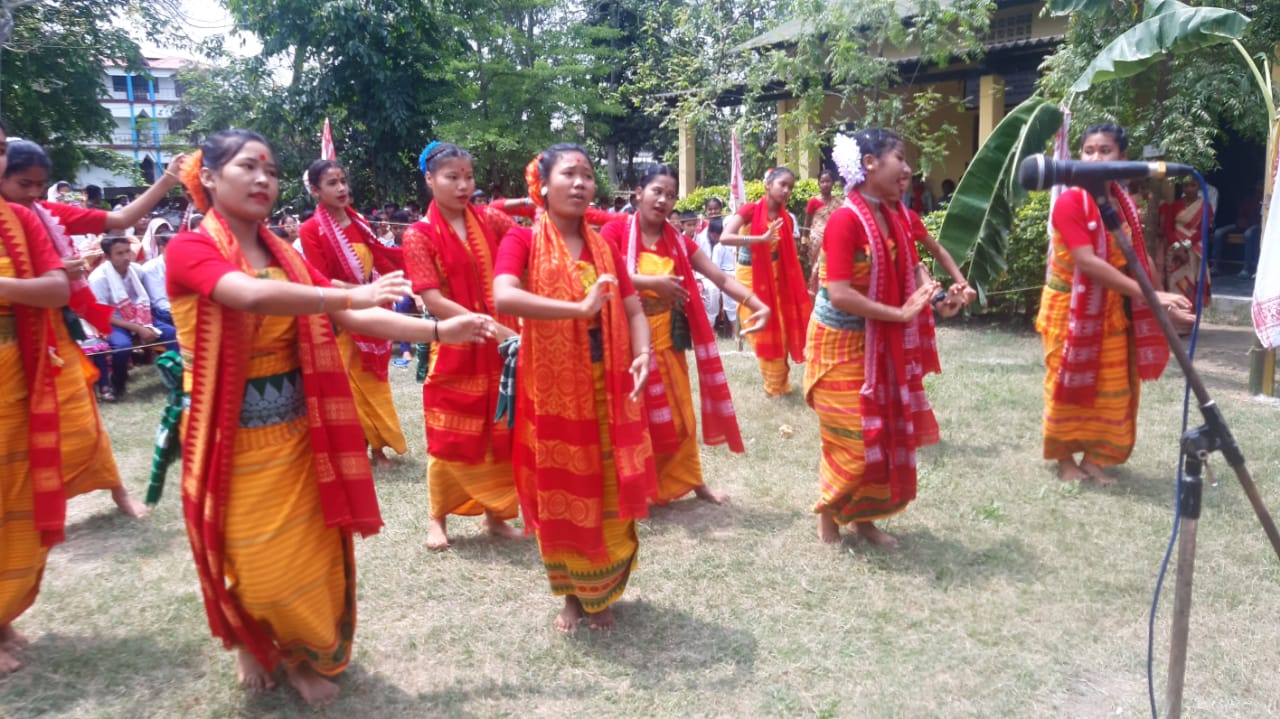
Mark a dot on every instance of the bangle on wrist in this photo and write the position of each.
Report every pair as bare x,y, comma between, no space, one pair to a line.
436,328
348,299
321,291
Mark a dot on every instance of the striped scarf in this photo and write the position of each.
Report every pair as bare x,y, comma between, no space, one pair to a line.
1077,380
896,416
787,294
459,398
375,352
220,364
34,328
83,301
719,422
558,459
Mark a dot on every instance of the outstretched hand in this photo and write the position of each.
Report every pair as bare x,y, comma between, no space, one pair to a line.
466,328
384,290
917,301
756,322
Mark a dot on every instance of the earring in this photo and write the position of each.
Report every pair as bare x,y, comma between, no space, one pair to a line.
544,192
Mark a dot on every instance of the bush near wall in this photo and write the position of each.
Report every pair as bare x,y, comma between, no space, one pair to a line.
1017,291
804,190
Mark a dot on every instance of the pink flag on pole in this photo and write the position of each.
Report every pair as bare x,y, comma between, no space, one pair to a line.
326,143
1266,287
737,187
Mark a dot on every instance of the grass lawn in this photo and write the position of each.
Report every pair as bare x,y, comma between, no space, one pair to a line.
1013,595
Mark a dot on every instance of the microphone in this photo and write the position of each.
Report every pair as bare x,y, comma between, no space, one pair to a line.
1040,172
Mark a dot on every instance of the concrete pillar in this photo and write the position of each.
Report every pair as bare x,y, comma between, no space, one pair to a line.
688,158
785,136
990,105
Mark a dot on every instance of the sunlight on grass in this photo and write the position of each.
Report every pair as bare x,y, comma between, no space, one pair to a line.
1013,595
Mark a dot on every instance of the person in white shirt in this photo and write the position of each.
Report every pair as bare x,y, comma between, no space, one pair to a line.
726,258
152,274
117,282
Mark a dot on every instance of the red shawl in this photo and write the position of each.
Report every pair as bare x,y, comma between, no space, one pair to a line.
719,422
558,457
787,294
896,416
34,328
375,352
451,388
83,301
1077,380
223,338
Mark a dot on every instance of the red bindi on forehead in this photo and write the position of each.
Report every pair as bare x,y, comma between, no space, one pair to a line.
262,157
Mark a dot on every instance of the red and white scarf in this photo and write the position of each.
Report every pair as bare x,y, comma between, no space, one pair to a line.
83,301
375,352
1077,380
111,287
896,416
719,421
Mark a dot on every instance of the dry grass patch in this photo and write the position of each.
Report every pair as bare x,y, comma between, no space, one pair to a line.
1012,595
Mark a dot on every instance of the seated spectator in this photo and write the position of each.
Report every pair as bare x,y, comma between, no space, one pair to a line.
479,198
152,274
721,309
948,189
1248,222
117,282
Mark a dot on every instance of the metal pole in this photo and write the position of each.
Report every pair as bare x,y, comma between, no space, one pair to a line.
1189,494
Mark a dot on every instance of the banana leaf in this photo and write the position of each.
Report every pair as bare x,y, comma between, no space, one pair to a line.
1167,26
980,216
1068,7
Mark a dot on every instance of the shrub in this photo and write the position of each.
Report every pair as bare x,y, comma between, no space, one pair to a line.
1019,287
804,189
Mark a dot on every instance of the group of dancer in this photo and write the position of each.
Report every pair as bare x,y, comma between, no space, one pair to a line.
558,387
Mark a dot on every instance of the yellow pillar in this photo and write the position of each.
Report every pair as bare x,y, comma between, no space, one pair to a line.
785,136
990,105
688,158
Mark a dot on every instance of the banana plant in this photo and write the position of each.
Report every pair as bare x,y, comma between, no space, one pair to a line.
1167,26
978,221
976,227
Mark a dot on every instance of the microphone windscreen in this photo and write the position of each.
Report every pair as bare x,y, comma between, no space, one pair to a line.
1035,173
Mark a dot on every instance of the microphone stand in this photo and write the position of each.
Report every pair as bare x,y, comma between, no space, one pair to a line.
1197,444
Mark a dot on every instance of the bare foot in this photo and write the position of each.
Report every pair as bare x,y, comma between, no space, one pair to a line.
250,672
601,621
314,688
1069,471
380,460
127,505
708,494
828,530
437,537
567,620
499,529
11,640
8,663
1097,473
875,535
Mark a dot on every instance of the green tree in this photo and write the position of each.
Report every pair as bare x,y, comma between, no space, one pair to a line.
51,74
376,68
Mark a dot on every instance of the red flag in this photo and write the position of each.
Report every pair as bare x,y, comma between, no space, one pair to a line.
326,143
737,188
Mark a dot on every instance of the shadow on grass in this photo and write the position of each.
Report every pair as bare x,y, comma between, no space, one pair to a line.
367,694
701,519
948,563
671,649
473,544
62,672
109,532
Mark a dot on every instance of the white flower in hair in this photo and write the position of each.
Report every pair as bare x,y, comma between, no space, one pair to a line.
848,159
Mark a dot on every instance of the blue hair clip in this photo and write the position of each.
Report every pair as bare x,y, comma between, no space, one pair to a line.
422,159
